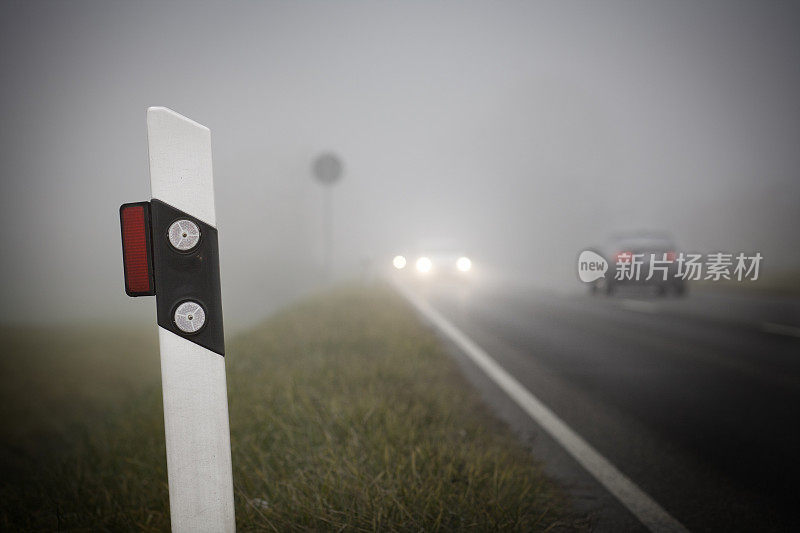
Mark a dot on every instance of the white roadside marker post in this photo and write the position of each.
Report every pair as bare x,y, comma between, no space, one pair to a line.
170,250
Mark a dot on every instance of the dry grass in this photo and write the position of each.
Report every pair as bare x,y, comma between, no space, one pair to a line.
345,415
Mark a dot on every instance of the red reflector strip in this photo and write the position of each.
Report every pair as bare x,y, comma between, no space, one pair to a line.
136,254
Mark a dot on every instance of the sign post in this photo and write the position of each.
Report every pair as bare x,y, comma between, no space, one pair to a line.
170,250
327,171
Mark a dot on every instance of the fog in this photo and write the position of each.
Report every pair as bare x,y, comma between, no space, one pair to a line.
523,132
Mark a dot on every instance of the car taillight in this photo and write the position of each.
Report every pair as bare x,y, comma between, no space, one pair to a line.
623,257
137,254
670,256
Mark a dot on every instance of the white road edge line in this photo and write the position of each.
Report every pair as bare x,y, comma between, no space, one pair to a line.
781,329
649,513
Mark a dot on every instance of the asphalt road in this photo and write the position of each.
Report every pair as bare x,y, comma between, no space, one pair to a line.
697,400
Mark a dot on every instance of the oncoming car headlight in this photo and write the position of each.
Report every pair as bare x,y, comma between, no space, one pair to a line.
424,265
399,262
464,264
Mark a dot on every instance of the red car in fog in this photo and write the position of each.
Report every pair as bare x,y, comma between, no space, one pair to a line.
640,259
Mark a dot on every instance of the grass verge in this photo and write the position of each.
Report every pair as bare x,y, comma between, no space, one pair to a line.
346,414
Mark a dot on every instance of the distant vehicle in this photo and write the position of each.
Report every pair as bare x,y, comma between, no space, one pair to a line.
645,246
435,264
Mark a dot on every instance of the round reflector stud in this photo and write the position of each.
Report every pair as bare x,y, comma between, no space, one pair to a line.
184,235
190,317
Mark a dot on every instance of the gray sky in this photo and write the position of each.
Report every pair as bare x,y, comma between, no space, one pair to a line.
524,131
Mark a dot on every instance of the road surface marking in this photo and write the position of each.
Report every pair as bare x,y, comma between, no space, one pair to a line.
649,513
780,329
640,306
